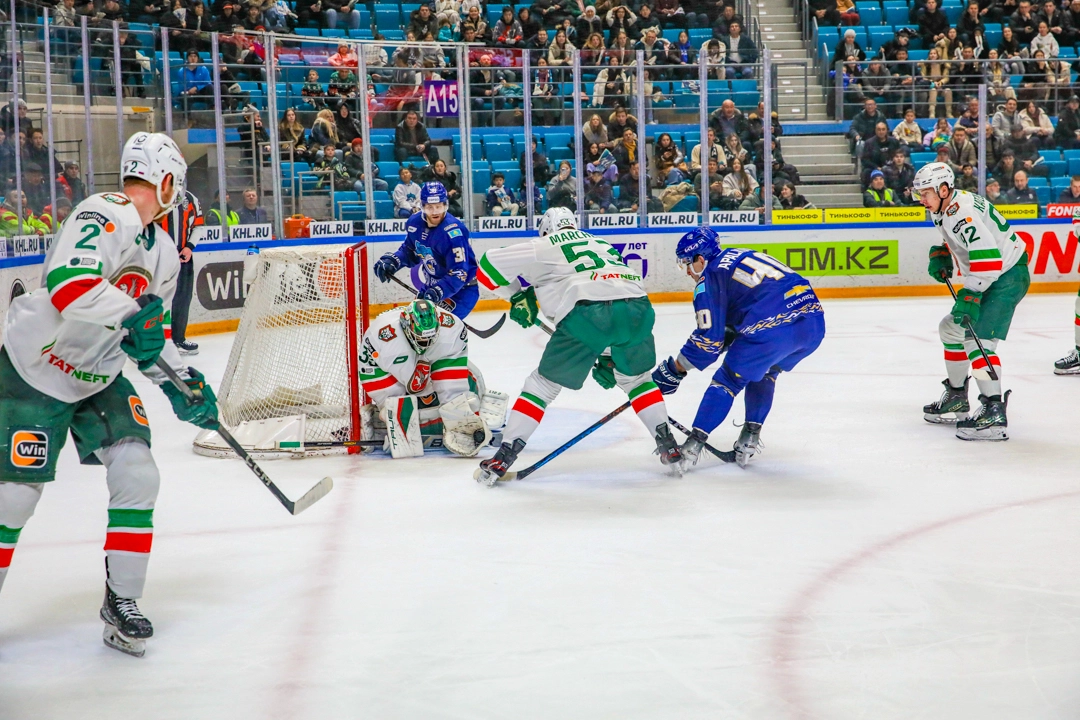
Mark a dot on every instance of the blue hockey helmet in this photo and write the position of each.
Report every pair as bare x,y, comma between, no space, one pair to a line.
433,202
701,241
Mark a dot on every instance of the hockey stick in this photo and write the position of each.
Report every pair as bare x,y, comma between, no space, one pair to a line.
520,475
986,358
479,333
727,456
309,498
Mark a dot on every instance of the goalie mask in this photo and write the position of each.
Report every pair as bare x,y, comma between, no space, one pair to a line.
420,323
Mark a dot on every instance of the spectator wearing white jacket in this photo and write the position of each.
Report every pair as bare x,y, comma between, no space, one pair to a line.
1045,41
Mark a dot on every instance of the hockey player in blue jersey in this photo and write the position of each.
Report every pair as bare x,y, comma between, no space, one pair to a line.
439,243
777,321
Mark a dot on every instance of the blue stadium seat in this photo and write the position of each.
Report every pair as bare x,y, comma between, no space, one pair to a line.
1043,193
307,32
384,209
1037,182
896,15
560,153
1068,155
335,33
481,179
699,36
1057,168
557,140
361,34
496,151
870,13
1074,166
387,18
687,204
392,34
953,13
920,55
918,159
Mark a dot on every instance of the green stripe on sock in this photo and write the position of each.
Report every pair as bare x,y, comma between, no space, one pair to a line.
9,536
489,270
975,353
954,346
449,362
131,518
534,400
642,388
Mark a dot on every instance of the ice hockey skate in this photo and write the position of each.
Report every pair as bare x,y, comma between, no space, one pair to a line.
126,628
1068,365
691,449
749,443
951,408
668,449
988,422
494,469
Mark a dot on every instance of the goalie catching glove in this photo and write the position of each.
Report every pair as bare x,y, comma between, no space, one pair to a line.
145,337
202,411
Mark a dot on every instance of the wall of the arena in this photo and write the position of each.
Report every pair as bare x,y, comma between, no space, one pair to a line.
871,260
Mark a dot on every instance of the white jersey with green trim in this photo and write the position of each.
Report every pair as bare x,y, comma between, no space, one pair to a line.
979,237
390,366
64,337
565,268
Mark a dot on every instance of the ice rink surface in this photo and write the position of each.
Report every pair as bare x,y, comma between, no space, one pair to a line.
868,565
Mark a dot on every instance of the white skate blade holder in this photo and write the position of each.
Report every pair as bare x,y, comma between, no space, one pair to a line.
119,641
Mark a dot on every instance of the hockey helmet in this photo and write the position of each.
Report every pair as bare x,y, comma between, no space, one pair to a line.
556,219
153,157
701,241
420,321
934,175
433,202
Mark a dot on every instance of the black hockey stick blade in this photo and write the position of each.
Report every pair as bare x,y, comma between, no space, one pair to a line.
478,333
309,498
727,456
986,358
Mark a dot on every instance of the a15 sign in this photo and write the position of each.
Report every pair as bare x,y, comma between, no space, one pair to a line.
441,98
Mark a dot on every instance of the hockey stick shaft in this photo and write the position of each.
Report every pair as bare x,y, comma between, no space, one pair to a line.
986,358
479,333
567,445
309,498
727,457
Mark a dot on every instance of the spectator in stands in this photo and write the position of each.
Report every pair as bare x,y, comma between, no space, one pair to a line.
354,163
549,12
324,129
939,136
966,180
475,21
862,125
1009,48
1036,78
313,90
529,26
1024,23
594,131
877,83
541,169
741,53
279,17
411,138
348,125
998,84
653,46
560,52
908,133
588,23
438,172
671,13
70,184
878,150
1006,119
716,186
949,46
961,151
195,78
666,155
789,198
343,9
292,133
592,54
848,14
213,215
727,119
714,151
500,199
781,170
63,209
626,150
1071,194
1067,131
1037,126
969,118
755,126
878,194
738,184
1021,194
715,53
619,18
994,145
899,176
847,48
331,170
34,186
933,25
599,194
343,84
37,151
1005,170
1072,30
628,189
1045,41
251,213
406,194
902,39
734,150
344,57
645,20
1026,149
619,121
539,41
546,104
993,191
562,189
423,21
253,19
934,78
969,22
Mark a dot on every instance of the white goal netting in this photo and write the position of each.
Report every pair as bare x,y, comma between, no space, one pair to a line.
291,353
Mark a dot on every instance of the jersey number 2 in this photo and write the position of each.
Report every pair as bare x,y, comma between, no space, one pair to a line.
92,231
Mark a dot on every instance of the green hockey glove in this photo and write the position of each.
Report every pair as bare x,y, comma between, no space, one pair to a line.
146,332
967,307
603,372
203,411
941,263
523,308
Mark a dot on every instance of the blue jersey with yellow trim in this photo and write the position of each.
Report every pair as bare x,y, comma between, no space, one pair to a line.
443,252
748,290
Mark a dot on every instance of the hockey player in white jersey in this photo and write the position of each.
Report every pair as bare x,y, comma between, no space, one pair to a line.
993,262
414,367
597,303
1070,364
107,279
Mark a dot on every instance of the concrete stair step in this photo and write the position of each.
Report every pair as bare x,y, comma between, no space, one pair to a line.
827,197
784,45
825,179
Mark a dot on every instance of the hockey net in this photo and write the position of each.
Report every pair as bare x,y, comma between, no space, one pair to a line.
294,359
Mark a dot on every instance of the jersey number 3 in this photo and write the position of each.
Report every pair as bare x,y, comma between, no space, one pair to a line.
755,267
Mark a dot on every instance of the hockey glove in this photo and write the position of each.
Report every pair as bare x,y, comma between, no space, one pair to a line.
145,338
967,307
667,376
203,411
523,308
386,266
433,292
603,372
941,263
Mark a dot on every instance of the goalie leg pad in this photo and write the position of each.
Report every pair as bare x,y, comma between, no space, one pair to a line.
464,432
493,405
402,427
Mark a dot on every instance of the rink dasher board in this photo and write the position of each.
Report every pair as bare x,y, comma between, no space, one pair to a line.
889,257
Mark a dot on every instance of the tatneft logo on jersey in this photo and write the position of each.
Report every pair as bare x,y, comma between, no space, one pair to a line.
82,375
29,449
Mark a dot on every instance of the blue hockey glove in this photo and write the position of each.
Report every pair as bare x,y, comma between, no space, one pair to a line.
432,293
667,377
386,266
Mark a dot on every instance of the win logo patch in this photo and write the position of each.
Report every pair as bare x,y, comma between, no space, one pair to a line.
29,449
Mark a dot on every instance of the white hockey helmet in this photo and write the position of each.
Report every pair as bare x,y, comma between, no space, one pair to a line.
153,157
934,175
556,219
